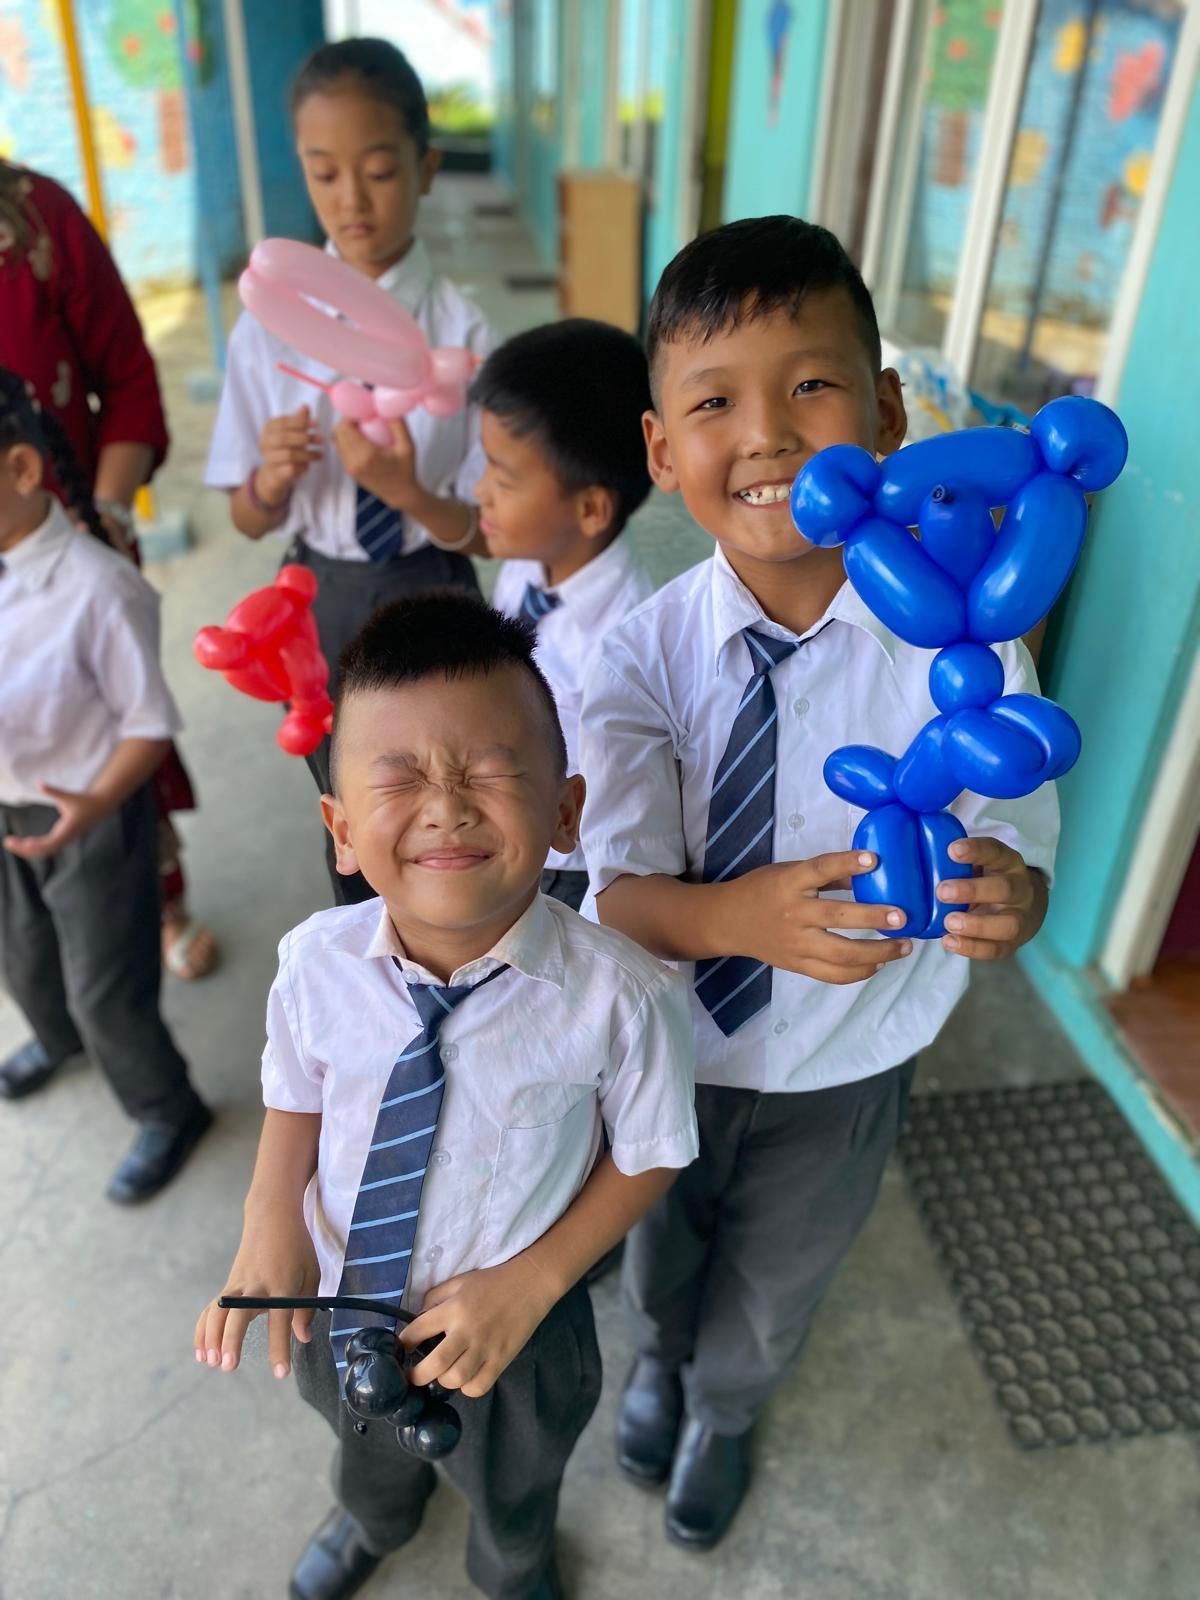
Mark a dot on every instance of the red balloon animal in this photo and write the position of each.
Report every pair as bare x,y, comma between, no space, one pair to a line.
268,649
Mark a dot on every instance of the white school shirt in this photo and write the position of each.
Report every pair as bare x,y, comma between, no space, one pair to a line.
79,666
659,704
585,1030
449,457
591,601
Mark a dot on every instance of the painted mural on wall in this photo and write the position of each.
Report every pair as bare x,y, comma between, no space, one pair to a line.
1118,71
135,81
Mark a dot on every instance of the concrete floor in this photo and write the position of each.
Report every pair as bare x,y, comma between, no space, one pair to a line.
884,1470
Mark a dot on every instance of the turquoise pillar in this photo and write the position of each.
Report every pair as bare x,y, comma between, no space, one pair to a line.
779,53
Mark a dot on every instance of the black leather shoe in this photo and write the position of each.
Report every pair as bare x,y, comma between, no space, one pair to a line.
648,1421
156,1155
335,1563
708,1481
25,1070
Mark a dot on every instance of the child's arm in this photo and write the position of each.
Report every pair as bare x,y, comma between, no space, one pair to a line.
487,1317
131,764
391,474
276,1255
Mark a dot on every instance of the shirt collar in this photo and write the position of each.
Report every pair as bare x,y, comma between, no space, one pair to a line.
735,608
601,572
409,280
33,560
532,946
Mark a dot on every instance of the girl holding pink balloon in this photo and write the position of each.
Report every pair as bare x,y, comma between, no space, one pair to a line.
343,425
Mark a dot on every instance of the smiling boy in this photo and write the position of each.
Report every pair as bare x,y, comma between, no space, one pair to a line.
710,836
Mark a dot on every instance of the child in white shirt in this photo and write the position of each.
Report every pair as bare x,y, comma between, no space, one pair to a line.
85,720
450,785
372,523
560,424
763,350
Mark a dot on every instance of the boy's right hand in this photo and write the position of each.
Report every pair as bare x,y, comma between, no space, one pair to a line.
779,918
273,1259
288,446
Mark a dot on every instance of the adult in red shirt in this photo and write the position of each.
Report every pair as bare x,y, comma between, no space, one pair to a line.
68,326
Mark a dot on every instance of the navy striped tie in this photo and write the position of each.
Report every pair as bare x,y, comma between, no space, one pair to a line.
379,527
537,603
379,1245
741,830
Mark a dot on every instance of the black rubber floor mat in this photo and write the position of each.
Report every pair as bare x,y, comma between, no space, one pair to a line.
495,208
1076,1271
525,282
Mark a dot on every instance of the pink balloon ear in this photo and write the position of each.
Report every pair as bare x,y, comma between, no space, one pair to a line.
444,400
352,400
397,402
378,430
452,367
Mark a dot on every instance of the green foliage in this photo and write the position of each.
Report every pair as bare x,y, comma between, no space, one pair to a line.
456,108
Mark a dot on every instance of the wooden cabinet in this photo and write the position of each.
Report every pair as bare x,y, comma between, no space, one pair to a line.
600,247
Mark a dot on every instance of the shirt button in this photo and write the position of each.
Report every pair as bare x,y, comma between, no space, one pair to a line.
450,1052
800,706
440,1158
434,1255
780,1027
796,820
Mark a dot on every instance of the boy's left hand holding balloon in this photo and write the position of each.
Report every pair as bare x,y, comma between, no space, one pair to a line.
1006,901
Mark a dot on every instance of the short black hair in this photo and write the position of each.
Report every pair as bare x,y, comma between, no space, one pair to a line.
749,269
385,74
577,388
447,633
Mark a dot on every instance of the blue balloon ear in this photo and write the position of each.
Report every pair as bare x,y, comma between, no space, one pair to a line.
833,493
1082,439
861,774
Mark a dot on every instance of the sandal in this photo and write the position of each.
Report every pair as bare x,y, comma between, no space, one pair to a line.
185,954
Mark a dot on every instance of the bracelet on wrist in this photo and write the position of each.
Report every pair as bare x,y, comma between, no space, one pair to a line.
117,511
461,544
256,500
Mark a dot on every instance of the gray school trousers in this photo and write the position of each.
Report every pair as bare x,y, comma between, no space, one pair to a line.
348,593
80,952
509,1463
723,1275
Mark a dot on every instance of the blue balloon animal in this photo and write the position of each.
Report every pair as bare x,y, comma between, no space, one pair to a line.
960,587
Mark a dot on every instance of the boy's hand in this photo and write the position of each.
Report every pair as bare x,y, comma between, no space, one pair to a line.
779,918
487,1317
288,446
390,472
76,814
274,1258
1007,899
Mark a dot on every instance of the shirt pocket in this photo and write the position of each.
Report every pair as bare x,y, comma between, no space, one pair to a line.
540,1167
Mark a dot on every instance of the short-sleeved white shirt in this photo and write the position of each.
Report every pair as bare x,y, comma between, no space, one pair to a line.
79,663
585,1030
591,601
449,457
659,703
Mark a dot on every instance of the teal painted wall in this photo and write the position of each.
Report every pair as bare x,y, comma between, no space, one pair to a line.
672,19
772,134
592,78
504,162
539,77
1131,621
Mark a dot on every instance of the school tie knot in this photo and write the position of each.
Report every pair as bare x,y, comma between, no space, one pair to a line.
766,651
538,603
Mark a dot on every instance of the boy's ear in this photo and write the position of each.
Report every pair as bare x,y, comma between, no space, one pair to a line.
334,819
431,165
24,467
571,794
893,419
595,510
658,453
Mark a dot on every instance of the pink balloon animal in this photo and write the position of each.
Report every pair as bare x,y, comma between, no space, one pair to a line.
363,332
268,649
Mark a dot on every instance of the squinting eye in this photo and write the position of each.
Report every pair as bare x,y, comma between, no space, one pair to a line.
716,402
811,386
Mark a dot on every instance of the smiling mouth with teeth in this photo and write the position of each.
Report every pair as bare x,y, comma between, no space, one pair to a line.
764,494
